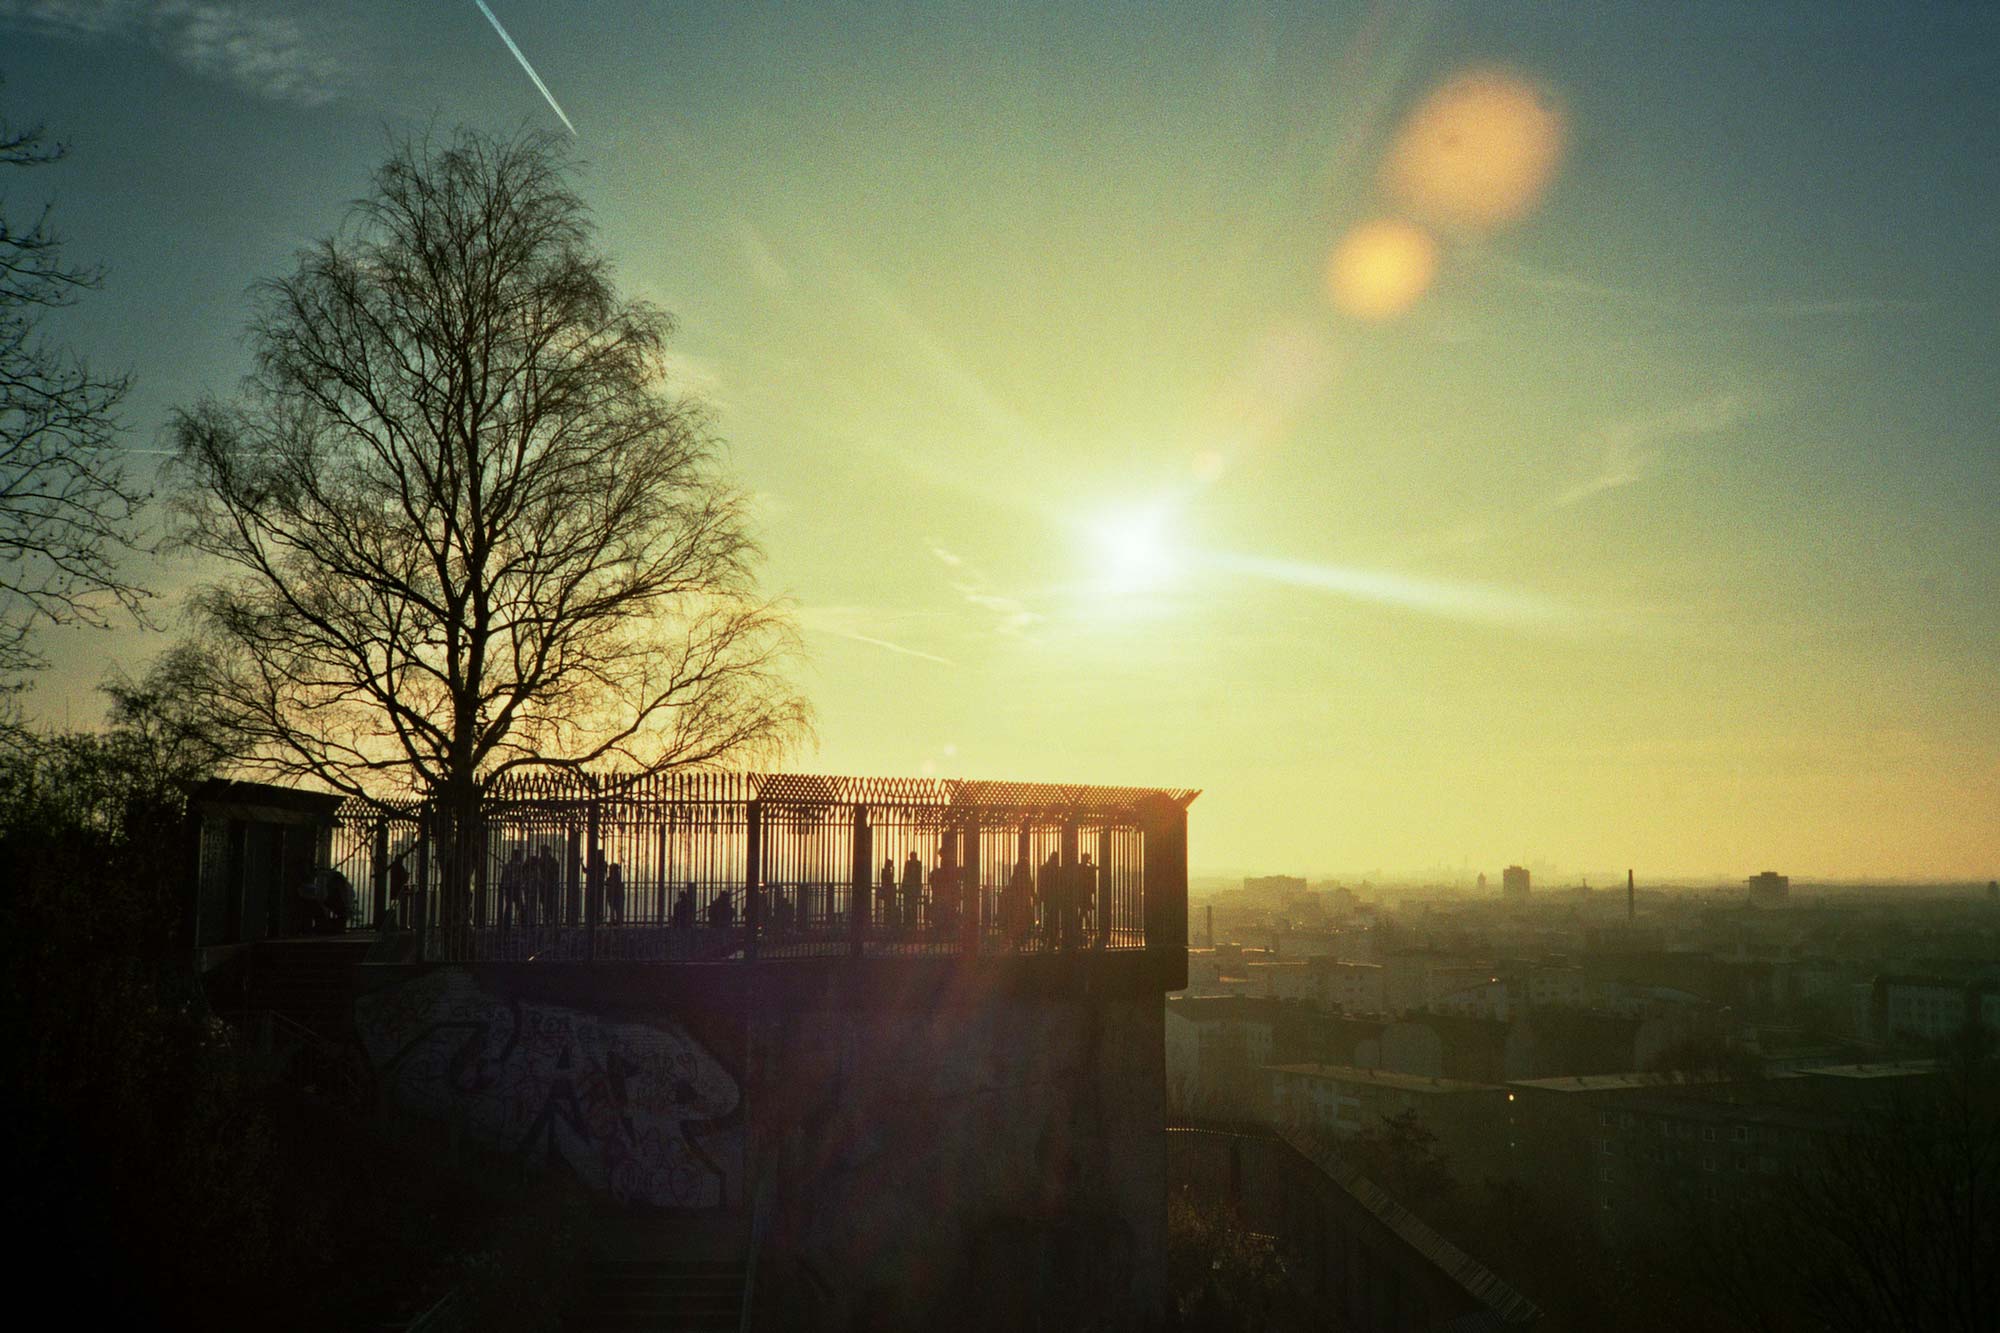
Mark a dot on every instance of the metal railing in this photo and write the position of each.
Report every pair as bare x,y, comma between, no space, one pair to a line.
711,867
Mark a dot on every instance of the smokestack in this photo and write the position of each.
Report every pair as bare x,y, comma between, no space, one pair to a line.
1631,908
1211,925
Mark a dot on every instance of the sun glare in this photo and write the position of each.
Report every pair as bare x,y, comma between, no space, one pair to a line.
1134,550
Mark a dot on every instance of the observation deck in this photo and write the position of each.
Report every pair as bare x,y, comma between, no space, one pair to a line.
709,868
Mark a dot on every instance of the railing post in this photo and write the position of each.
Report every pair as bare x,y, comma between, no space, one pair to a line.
1165,888
1102,887
864,870
753,877
572,897
593,904
968,884
378,878
1066,889
426,830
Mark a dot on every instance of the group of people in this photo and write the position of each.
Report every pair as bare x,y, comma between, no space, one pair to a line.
1053,904
531,887
1058,901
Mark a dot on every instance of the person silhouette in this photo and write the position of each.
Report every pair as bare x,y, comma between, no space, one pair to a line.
614,893
885,900
513,881
1017,907
913,890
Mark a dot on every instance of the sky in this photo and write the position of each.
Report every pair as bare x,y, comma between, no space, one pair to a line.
1446,434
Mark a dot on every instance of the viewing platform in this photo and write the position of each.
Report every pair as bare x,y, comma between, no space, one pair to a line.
706,869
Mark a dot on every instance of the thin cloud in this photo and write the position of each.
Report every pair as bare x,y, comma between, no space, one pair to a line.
1628,450
947,557
847,622
1566,284
1014,616
273,53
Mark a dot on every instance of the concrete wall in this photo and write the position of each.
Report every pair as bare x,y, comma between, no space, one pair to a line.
986,1159
919,1142
639,1108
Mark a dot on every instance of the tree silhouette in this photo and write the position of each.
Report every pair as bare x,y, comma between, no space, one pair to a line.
66,504
466,529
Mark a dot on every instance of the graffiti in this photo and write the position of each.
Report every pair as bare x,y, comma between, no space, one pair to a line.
639,1111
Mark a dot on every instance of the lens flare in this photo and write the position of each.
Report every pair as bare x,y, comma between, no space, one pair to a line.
1476,154
1380,268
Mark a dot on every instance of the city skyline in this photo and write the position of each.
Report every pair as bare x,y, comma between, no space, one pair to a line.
1643,518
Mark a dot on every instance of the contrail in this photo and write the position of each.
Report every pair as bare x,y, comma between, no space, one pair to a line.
547,96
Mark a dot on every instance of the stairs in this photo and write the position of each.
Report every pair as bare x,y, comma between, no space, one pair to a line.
671,1295
309,981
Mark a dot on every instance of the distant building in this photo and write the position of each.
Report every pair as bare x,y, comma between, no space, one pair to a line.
1273,890
1930,1009
1468,1117
1514,882
1214,1050
1769,889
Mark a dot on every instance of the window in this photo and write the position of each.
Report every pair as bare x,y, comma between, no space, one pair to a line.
1605,1175
1741,1133
1604,1120
1708,1164
1708,1133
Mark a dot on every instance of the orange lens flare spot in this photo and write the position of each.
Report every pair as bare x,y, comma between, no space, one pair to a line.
1478,153
1379,269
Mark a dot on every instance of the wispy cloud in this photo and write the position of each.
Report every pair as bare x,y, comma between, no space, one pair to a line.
698,376
854,622
1629,450
1549,283
1470,602
269,51
762,261
1014,618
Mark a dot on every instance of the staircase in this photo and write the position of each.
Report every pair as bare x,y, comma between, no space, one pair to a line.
680,1295
309,981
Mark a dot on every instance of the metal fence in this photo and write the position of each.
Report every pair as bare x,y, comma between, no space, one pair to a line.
731,866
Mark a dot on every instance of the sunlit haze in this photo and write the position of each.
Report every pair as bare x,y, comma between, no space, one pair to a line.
1447,435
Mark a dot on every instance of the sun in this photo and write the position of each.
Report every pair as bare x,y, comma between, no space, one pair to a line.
1135,550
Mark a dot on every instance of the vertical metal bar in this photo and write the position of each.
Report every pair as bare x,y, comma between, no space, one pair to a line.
1066,887
593,908
968,885
1105,887
864,870
422,881
378,873
753,873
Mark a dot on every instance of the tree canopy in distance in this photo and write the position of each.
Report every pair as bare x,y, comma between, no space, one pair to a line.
464,527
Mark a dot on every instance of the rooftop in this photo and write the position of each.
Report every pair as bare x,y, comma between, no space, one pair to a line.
1382,1078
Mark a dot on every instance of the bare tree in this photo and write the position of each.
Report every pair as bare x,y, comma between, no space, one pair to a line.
467,531
66,504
